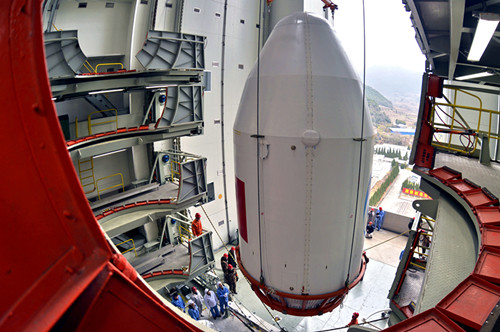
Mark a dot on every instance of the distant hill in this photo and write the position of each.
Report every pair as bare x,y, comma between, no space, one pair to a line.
375,98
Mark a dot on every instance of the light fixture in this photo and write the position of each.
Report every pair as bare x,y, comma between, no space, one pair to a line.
476,75
486,27
105,91
160,86
109,153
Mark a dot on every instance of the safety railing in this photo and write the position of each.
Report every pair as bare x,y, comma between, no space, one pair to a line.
108,64
175,169
448,120
76,126
184,231
93,124
133,246
99,191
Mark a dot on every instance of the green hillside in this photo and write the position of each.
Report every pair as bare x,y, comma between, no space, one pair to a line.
375,98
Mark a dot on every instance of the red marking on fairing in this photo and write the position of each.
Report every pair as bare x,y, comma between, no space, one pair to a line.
242,209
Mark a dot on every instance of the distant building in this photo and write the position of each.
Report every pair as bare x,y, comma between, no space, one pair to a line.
403,131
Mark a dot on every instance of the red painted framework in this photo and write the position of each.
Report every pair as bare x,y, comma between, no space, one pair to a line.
277,300
472,301
57,269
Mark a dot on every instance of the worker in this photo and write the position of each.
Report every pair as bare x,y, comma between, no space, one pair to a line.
232,257
193,310
223,295
223,263
369,230
197,299
354,319
231,277
196,225
211,302
379,221
179,302
371,215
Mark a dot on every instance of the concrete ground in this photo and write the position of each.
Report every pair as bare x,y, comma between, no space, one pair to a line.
368,298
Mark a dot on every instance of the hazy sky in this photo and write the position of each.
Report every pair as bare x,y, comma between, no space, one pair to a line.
390,38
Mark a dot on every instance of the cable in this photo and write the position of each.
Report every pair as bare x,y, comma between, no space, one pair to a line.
392,238
258,142
361,140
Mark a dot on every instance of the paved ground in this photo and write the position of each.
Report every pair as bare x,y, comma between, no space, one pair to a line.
367,298
395,202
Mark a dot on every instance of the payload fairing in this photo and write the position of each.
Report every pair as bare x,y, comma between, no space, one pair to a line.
303,153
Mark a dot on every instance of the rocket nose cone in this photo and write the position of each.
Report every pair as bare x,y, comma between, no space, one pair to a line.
301,18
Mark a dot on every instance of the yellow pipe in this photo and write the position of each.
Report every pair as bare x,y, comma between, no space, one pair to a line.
108,64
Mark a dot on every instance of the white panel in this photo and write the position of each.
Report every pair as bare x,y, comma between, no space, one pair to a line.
93,24
241,48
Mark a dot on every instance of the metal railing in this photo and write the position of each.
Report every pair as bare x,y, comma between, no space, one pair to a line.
99,191
133,246
456,126
89,119
184,231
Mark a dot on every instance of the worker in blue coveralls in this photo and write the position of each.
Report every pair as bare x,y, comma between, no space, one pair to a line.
380,218
193,310
223,295
178,302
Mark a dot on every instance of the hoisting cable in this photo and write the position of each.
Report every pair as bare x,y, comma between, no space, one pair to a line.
258,136
230,253
360,140
345,327
392,238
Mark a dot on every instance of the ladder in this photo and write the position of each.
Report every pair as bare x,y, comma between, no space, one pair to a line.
86,174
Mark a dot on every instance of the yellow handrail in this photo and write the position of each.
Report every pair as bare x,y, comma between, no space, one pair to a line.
89,119
108,64
186,230
99,191
462,127
175,170
133,246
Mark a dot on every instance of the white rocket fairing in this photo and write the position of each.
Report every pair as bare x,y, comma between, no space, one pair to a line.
302,140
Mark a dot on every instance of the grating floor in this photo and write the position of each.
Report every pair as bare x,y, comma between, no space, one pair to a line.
485,176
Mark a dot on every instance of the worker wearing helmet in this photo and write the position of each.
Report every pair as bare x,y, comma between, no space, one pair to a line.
197,299
224,262
369,230
231,277
379,221
232,257
196,225
223,295
193,310
371,215
354,319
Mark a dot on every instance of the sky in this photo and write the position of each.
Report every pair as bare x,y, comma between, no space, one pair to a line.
390,38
